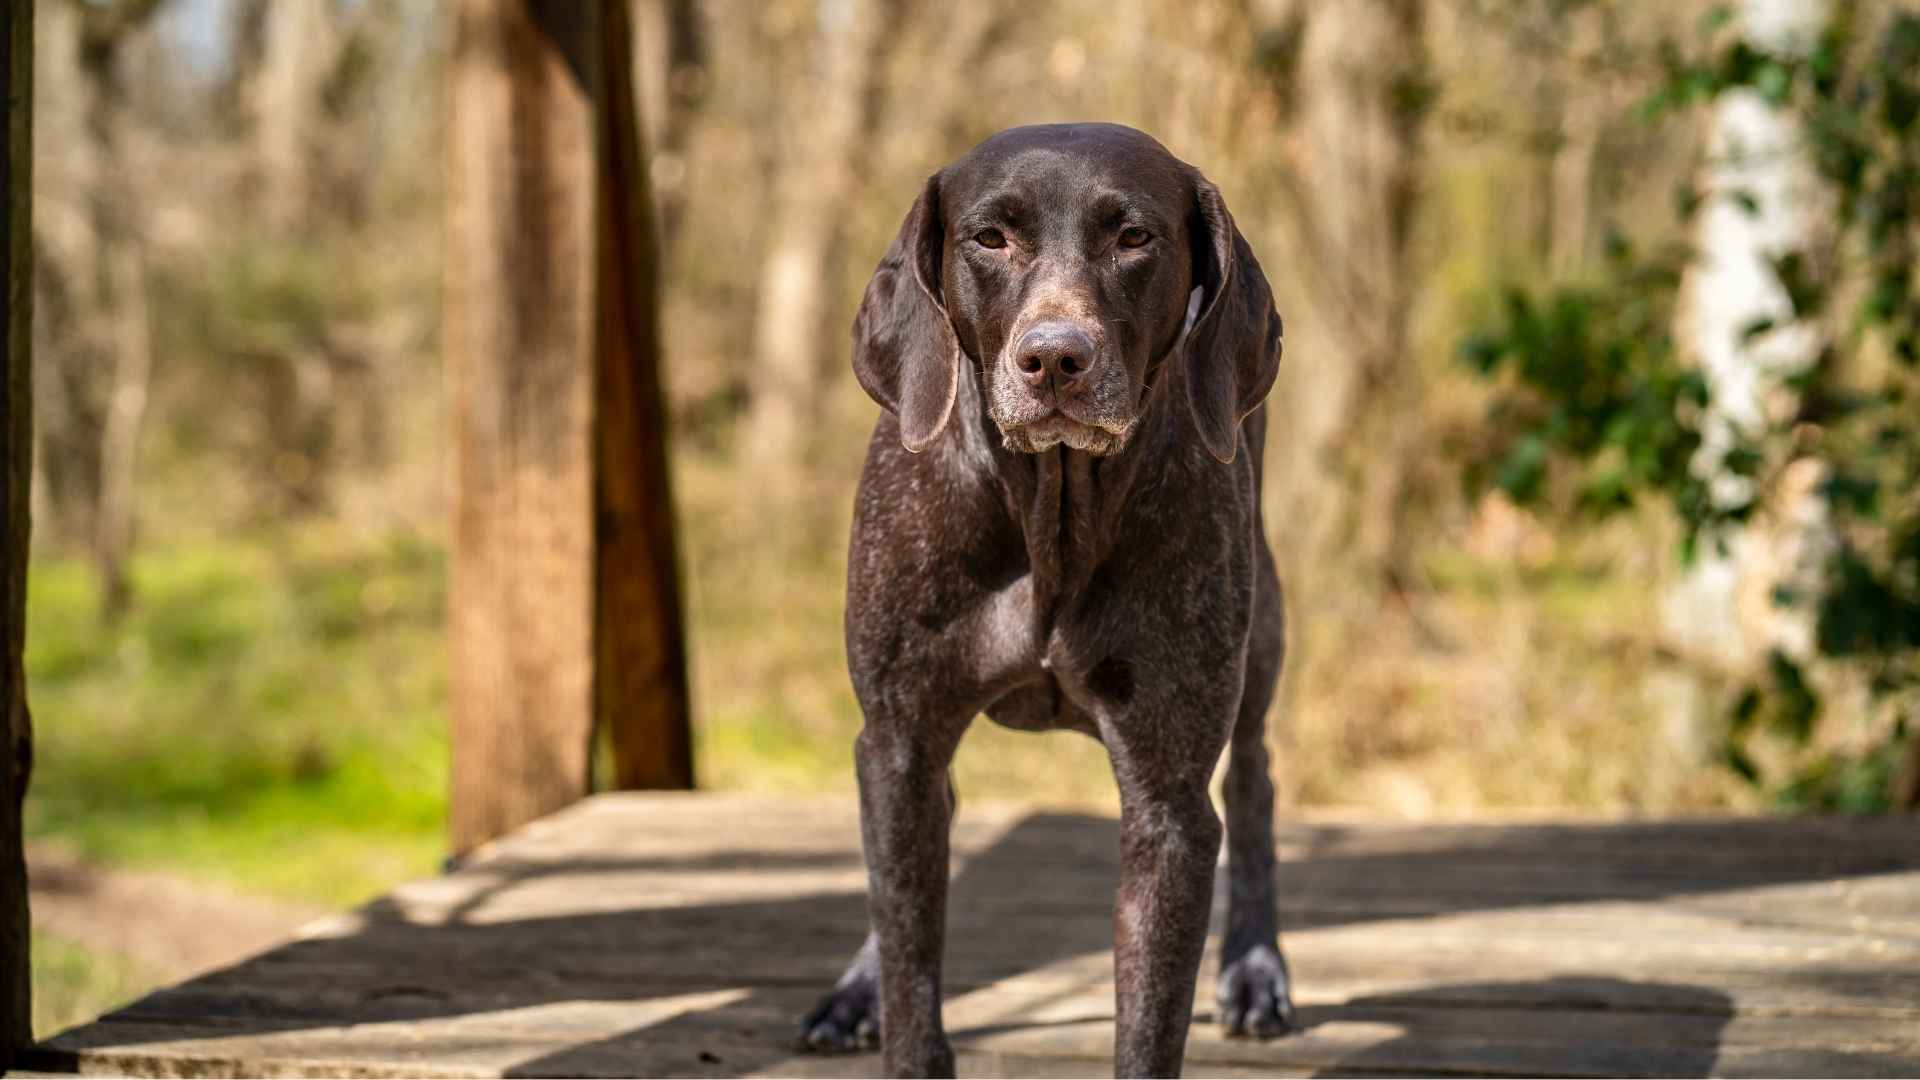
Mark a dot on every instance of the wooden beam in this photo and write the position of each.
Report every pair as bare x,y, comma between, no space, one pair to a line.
565,604
16,450
641,685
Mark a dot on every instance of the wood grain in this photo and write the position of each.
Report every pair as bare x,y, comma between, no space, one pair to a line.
565,606
518,332
16,469
640,662
682,935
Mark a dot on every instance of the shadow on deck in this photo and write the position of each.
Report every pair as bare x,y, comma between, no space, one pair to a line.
684,934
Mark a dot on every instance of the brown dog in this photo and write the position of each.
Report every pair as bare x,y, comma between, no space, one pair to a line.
1059,525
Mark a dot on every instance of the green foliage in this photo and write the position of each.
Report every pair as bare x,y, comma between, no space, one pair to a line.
72,984
1598,408
1605,388
268,716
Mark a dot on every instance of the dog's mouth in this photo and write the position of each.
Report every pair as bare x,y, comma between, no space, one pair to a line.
1057,428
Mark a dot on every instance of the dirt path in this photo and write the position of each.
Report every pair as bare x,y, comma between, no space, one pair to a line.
172,927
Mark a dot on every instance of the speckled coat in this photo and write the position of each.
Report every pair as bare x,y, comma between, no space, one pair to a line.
1125,590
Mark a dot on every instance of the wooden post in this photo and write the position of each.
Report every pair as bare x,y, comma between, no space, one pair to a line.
16,448
641,681
565,602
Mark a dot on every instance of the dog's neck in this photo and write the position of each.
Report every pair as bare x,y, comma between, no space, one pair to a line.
1072,503
1069,505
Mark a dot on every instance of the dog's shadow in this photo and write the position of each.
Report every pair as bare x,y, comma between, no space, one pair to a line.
724,984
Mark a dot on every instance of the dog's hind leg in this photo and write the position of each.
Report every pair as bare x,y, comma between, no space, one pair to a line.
1254,991
847,1018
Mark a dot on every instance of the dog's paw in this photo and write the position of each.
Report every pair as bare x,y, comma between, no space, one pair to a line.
846,1021
1255,995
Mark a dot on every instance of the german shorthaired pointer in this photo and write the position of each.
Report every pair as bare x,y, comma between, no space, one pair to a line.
1059,525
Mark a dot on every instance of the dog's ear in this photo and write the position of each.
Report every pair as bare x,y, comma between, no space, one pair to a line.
905,353
1233,347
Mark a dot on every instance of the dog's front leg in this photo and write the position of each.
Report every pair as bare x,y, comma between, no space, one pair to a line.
1169,841
904,812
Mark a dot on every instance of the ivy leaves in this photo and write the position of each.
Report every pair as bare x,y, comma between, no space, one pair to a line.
1597,408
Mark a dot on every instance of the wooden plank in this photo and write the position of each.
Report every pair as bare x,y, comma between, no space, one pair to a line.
16,469
989,941
593,926
732,822
678,935
1884,908
751,1030
1326,879
337,993
335,1054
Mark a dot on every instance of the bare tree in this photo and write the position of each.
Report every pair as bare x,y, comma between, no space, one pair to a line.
826,124
302,95
1358,96
300,46
92,284
670,66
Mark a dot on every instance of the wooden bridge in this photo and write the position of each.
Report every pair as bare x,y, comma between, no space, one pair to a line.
681,934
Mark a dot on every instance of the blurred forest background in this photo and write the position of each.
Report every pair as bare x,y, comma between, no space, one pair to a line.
236,650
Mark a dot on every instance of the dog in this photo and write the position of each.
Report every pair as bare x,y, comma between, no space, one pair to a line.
1059,525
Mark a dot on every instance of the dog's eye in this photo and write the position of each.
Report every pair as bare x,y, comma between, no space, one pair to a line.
1134,236
990,238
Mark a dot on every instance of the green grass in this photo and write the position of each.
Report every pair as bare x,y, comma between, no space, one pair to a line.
73,984
268,715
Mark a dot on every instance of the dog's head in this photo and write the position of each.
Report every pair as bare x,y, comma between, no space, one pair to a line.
1075,264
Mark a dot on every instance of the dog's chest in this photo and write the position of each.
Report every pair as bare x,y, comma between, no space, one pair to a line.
1050,652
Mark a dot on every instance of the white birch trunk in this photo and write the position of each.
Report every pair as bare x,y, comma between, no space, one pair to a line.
1763,201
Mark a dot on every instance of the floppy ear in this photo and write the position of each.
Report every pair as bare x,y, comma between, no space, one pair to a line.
1233,348
905,353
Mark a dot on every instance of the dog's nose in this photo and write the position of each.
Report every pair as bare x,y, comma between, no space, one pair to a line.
1055,351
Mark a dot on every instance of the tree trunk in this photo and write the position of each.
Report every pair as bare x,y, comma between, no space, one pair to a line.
92,283
1582,124
565,604
306,85
126,414
16,443
305,88
1905,793
1723,611
299,44
1352,201
669,69
830,119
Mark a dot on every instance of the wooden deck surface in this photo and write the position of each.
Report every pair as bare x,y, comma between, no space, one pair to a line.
684,934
